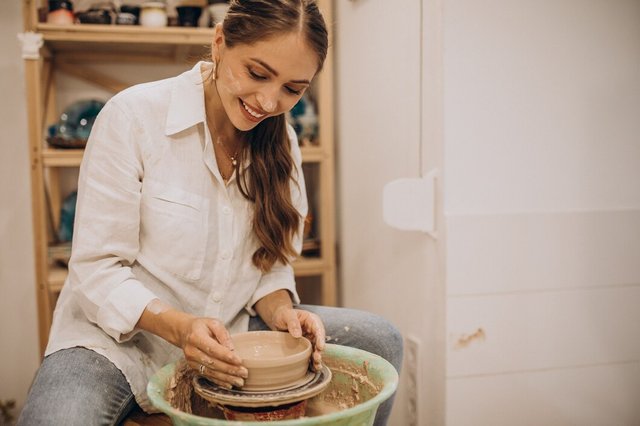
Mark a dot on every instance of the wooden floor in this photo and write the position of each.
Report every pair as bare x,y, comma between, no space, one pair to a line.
139,418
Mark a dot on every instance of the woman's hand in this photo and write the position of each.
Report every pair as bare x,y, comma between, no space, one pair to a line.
302,323
205,342
208,348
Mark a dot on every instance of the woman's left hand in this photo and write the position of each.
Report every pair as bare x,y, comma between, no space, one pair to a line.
302,323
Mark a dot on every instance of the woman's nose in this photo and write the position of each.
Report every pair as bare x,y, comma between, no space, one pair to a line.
268,100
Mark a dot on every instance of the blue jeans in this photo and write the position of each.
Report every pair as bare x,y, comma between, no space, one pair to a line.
78,386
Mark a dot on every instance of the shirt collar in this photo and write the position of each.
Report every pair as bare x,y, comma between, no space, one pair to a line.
186,107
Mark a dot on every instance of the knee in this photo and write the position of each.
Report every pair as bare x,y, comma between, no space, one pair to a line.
61,407
390,340
381,337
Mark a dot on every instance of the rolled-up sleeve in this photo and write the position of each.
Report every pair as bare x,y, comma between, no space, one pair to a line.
281,276
107,224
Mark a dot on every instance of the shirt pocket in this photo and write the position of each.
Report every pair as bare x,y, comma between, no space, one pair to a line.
173,229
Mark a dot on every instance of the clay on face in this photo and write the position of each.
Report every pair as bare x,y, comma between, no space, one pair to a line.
266,104
232,85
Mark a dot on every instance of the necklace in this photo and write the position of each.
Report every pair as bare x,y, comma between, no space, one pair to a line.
233,158
219,141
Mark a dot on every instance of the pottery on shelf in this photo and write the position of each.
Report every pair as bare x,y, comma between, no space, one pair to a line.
60,12
95,16
128,15
188,16
275,359
217,11
304,119
153,14
74,125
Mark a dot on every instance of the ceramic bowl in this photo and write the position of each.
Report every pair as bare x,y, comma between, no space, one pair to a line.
275,359
74,125
95,16
132,10
188,16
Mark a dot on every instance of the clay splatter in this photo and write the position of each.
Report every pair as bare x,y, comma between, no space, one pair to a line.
465,340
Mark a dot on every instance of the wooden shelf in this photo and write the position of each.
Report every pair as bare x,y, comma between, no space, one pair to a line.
308,266
303,267
53,157
313,154
123,34
56,278
81,42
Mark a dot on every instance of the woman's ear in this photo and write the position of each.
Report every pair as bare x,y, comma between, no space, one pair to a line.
217,44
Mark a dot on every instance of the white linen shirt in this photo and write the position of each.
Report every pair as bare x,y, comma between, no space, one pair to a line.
154,219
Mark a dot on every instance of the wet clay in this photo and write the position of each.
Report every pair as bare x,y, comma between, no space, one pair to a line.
350,386
181,396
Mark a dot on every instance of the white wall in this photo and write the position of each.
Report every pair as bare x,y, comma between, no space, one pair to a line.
542,164
19,354
541,238
396,274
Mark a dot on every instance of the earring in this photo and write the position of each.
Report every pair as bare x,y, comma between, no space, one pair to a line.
214,72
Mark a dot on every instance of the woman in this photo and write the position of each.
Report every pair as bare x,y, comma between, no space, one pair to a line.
190,208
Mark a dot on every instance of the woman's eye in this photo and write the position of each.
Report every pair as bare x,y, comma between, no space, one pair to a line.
293,91
256,76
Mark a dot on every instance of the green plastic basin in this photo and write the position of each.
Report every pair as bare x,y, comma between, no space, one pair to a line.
361,381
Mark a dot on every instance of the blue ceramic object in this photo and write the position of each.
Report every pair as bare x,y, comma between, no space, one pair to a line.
304,119
67,216
75,123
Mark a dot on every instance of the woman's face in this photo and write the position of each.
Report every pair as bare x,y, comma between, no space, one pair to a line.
263,79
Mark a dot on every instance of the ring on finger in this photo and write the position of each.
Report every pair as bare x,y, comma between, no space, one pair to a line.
201,369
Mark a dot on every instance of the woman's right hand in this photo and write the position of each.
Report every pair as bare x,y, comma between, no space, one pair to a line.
208,348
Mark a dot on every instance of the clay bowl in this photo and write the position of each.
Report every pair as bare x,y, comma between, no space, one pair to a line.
275,360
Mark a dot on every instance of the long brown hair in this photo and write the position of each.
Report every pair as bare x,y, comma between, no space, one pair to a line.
267,181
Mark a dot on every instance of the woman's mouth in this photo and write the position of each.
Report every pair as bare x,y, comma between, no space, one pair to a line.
250,113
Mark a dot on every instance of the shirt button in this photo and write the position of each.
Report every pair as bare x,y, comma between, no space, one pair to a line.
226,210
225,255
216,297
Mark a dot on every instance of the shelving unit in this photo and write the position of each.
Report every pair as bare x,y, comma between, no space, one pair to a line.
69,49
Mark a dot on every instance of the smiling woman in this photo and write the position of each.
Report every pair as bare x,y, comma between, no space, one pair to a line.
190,210
261,68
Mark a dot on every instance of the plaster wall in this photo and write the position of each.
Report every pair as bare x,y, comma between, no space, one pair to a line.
542,205
396,274
537,144
19,354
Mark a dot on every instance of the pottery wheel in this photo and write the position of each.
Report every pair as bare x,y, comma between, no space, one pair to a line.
311,385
